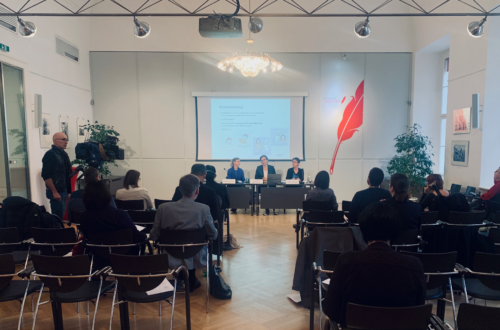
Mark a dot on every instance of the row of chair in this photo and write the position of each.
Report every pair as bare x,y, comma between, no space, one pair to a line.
441,271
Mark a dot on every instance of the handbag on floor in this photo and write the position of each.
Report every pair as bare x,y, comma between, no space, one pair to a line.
219,289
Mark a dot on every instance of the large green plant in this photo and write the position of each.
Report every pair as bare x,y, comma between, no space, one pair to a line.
98,133
413,157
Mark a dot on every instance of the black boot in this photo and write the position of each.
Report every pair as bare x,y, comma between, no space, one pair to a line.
194,283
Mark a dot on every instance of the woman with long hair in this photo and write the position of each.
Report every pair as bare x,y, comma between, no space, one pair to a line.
410,212
132,191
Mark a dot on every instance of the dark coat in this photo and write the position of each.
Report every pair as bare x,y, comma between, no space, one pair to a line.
289,174
57,166
259,173
377,276
410,214
364,198
221,191
206,196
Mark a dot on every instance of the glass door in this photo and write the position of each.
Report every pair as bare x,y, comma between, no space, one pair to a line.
14,170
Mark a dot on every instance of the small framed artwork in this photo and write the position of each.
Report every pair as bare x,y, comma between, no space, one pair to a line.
46,132
80,124
460,153
64,126
461,121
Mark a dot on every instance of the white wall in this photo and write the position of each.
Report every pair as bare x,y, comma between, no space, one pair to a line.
63,84
147,97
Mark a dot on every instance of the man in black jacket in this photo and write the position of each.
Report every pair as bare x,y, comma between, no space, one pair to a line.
55,172
220,189
377,276
206,196
373,194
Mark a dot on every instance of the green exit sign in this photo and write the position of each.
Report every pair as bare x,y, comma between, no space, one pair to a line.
4,48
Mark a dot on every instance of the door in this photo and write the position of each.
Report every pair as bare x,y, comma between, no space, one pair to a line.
14,170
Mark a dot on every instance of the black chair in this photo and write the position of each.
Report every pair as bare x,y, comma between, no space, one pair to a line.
158,202
135,205
54,242
303,214
15,290
75,217
12,244
438,268
466,218
455,188
484,281
430,218
185,244
143,218
407,241
317,218
379,318
495,218
329,261
136,275
346,205
475,317
68,281
494,234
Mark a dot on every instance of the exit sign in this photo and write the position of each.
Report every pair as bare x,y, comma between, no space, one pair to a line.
4,48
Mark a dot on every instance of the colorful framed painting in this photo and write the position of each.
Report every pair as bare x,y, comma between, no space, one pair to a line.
461,121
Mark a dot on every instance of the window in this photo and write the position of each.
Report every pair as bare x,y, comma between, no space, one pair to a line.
444,110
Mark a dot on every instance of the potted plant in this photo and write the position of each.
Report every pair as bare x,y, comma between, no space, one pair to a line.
413,158
99,134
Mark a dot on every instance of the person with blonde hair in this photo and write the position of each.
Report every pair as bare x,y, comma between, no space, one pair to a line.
235,172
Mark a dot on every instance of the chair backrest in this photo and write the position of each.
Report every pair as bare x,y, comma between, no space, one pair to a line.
139,265
101,242
130,205
144,217
494,234
383,318
9,239
436,263
56,236
488,263
330,259
466,218
75,217
158,202
346,205
430,217
495,217
326,216
455,188
62,266
183,244
313,205
477,317
406,237
7,266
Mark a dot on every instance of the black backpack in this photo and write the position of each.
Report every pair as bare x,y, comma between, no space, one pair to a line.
219,289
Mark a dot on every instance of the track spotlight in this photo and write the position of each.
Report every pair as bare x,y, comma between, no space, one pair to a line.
141,29
363,29
255,24
476,29
27,29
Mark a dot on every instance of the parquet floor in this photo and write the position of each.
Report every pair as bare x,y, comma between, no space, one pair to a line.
260,275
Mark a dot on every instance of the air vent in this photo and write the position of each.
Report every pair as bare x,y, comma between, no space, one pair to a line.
66,49
8,22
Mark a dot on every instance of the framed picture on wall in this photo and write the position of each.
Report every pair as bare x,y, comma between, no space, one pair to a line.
80,123
64,126
460,153
461,121
46,132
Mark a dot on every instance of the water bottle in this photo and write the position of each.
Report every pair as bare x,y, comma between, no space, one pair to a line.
309,177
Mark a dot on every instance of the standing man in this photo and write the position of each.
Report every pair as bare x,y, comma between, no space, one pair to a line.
55,172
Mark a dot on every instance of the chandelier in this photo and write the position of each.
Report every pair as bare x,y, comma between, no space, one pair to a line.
250,63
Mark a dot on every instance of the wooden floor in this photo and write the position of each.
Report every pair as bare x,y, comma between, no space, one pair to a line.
260,275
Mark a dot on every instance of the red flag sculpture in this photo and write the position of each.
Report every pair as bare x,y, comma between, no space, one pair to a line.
351,120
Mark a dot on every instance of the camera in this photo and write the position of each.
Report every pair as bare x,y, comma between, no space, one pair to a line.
95,154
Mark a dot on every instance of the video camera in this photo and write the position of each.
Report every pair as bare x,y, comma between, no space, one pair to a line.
95,154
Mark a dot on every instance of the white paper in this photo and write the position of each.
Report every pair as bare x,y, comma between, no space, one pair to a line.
292,181
327,281
165,286
229,181
295,297
256,181
139,228
69,254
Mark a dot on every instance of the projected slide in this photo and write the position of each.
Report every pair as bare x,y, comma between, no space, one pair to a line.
248,127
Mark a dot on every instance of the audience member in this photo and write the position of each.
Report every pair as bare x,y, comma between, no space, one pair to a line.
75,202
409,212
206,195
220,189
377,276
182,215
131,190
494,193
430,200
373,194
100,216
322,191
